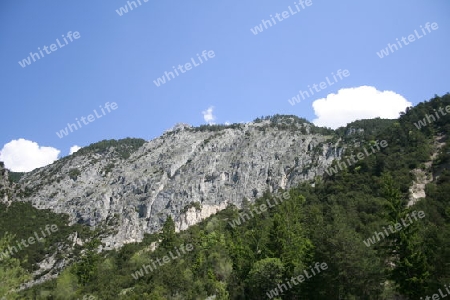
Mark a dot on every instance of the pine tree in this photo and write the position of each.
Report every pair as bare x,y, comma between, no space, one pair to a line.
410,266
168,236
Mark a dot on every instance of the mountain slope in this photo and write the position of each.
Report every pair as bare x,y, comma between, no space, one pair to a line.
187,173
339,221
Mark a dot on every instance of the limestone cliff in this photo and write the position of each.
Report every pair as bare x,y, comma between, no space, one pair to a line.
188,173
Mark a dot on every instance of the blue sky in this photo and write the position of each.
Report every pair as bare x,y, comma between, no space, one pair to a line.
117,58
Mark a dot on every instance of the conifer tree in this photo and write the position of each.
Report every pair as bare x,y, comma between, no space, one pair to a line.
410,267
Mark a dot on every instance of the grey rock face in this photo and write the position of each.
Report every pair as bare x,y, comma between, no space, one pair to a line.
186,173
6,188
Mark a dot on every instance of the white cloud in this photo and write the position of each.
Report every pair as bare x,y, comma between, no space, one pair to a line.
350,104
208,115
23,156
74,149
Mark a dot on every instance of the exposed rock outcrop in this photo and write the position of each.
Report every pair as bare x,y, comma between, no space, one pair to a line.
186,173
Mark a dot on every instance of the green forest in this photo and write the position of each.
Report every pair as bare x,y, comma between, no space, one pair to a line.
326,221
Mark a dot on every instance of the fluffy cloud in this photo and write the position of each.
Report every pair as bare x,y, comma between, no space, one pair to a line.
352,104
208,115
74,149
23,156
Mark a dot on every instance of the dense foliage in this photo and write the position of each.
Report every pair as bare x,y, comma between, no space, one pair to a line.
15,176
23,221
123,147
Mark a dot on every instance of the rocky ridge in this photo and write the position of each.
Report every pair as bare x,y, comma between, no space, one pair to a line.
187,173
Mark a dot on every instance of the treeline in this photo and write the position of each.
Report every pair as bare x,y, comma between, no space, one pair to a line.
124,147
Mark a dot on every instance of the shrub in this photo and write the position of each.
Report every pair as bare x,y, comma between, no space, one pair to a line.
74,173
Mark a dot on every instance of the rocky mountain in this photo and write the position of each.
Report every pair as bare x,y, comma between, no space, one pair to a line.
130,187
114,192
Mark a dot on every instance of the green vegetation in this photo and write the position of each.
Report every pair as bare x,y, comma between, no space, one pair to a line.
195,204
12,274
108,168
124,147
370,128
74,173
22,220
282,122
216,127
294,123
15,176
